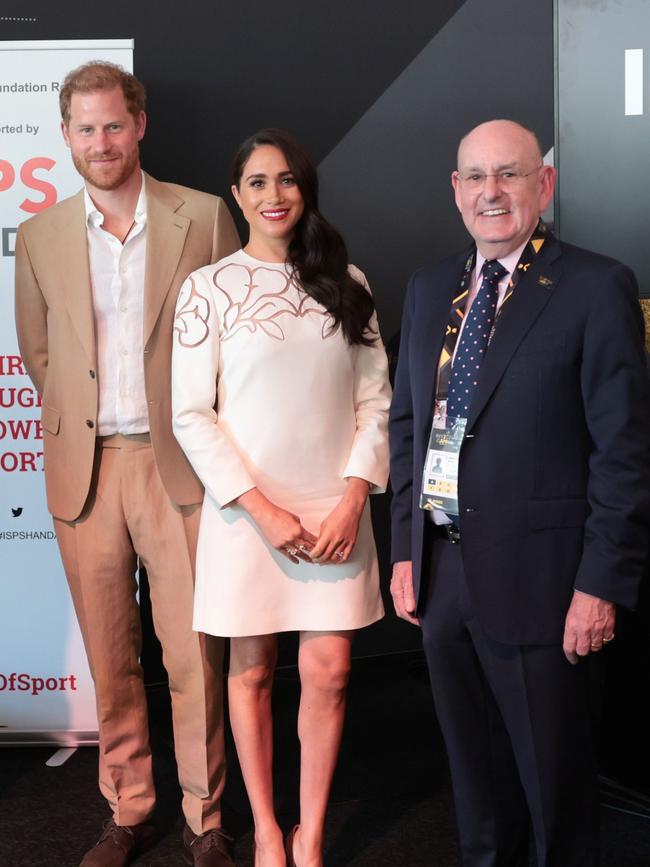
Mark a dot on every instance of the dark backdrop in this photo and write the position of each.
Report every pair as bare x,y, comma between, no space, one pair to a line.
602,152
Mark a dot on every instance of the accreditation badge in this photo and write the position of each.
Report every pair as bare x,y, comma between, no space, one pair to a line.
440,477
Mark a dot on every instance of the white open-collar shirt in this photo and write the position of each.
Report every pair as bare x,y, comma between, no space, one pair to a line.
117,281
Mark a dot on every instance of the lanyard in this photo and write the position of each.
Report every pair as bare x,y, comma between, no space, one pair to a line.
457,313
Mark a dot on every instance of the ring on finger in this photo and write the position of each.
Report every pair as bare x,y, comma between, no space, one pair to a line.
291,550
339,554
304,549
607,640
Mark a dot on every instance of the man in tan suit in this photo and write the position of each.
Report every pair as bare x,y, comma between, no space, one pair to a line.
97,277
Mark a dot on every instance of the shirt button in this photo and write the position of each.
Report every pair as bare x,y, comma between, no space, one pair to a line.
123,308
90,423
125,352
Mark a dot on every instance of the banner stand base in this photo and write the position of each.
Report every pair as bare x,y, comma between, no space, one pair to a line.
60,757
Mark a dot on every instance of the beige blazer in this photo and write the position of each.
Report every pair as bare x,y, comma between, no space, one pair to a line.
186,229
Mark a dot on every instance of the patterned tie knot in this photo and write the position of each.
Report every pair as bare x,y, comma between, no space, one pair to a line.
493,270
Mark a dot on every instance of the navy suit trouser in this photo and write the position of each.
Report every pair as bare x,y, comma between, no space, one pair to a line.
517,726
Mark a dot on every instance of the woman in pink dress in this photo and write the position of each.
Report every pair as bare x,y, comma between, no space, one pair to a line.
280,401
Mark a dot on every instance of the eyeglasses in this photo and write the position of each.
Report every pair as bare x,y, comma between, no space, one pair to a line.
506,179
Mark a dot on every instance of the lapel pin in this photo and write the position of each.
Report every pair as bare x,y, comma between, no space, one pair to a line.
545,281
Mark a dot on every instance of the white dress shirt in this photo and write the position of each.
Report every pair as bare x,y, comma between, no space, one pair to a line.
117,280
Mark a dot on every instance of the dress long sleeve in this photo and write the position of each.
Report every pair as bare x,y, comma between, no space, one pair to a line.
195,414
371,395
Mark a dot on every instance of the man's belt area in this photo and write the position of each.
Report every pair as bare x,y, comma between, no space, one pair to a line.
123,441
447,532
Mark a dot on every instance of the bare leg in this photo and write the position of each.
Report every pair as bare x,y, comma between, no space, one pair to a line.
250,680
324,665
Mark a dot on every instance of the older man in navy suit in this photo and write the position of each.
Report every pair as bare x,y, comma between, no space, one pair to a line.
521,372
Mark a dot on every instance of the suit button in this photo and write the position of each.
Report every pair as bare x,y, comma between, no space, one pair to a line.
92,374
469,509
90,423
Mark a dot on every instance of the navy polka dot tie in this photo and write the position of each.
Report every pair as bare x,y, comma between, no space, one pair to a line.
473,341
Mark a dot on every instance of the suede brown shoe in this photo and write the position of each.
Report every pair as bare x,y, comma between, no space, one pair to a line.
212,849
117,845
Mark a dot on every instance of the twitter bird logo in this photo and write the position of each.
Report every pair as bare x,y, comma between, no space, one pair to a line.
17,512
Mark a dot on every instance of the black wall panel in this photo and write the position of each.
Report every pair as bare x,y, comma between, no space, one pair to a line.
603,151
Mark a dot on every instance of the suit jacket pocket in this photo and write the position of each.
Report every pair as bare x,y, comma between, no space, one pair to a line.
51,419
546,514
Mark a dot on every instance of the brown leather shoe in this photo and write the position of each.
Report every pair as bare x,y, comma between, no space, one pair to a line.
117,845
212,849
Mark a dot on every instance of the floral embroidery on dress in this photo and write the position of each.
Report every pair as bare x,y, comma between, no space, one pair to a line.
191,322
253,306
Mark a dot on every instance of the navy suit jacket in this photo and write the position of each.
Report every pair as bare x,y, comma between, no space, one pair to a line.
554,473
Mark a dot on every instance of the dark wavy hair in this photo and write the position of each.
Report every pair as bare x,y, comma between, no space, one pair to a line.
317,251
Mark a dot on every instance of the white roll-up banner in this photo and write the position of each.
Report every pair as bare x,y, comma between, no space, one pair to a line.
46,692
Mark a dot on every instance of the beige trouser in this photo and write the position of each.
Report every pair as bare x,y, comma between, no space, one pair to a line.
128,513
